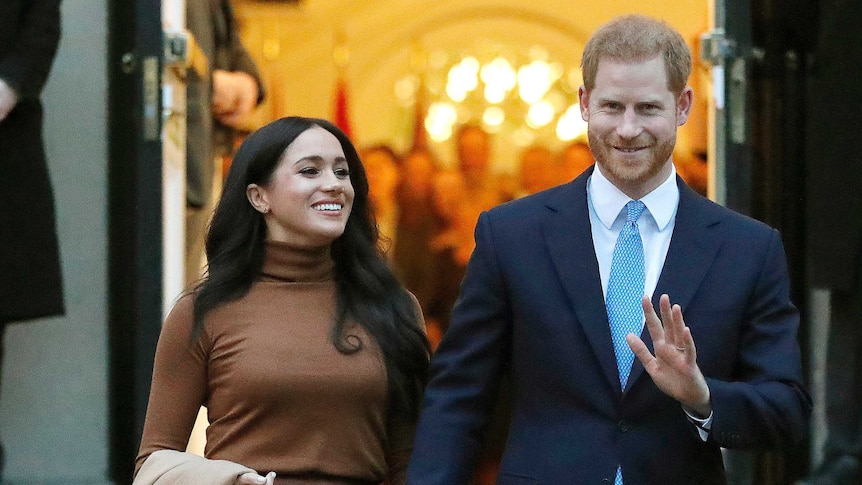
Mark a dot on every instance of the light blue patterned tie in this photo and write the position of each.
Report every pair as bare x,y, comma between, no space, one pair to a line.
625,289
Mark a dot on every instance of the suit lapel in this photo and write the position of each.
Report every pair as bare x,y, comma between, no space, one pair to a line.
690,255
570,243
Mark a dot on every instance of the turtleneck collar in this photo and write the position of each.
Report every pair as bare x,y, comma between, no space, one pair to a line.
283,261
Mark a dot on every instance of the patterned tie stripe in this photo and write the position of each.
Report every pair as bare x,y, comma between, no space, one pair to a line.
625,289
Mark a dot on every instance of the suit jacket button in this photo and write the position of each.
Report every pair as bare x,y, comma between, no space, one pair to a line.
623,425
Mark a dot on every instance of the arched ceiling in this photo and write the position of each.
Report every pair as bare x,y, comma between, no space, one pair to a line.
293,43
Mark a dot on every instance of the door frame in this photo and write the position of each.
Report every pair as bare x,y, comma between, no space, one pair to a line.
757,160
135,55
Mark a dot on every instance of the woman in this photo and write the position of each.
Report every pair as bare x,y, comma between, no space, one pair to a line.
307,352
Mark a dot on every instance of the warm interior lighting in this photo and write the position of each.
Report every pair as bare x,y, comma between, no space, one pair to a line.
405,90
494,116
571,125
522,97
499,73
494,94
440,120
462,79
534,80
540,114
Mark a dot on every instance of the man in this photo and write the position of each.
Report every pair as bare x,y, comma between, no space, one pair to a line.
545,299
473,153
217,101
31,282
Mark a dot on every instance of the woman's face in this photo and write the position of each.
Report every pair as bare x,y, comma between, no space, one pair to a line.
308,200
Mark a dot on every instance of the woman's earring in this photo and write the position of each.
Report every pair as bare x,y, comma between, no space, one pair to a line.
264,210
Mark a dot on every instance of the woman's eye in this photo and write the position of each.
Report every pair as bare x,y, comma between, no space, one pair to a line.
342,173
309,171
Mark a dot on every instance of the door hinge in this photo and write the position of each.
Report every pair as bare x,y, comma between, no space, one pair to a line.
716,46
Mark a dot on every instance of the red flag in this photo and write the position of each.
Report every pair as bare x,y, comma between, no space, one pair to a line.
420,138
341,116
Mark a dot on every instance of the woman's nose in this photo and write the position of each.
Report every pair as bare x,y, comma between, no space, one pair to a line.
334,185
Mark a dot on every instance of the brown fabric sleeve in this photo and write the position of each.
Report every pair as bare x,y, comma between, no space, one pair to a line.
178,387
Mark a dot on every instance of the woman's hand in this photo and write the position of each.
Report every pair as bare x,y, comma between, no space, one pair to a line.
251,478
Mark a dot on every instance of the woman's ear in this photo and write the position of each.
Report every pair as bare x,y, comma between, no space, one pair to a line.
257,197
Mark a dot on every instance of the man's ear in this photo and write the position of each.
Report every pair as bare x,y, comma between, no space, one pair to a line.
584,103
683,105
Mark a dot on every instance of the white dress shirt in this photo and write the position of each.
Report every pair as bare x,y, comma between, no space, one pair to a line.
607,218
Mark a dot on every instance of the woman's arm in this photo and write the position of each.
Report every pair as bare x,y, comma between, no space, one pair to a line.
178,387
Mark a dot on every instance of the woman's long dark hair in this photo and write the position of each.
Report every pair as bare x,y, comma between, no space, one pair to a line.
367,290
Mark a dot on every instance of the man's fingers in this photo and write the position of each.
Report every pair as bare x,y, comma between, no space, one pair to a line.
665,309
671,324
652,321
672,321
690,349
678,325
640,349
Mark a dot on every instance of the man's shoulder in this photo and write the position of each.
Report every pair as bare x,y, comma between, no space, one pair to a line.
712,212
534,205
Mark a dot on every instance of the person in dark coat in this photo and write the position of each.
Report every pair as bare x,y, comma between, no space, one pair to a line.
30,277
217,99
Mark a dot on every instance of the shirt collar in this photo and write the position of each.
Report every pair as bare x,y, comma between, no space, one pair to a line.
608,201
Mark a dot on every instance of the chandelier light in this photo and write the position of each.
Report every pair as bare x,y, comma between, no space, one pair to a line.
529,97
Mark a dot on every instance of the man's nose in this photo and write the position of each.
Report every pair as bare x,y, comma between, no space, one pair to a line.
630,125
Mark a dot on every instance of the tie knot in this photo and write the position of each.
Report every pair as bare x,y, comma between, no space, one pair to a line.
634,210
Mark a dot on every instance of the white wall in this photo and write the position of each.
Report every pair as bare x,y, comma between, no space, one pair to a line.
54,401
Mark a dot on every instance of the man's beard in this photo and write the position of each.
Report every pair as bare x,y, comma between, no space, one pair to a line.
624,174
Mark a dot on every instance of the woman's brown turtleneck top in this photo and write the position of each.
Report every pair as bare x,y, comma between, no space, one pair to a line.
280,397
